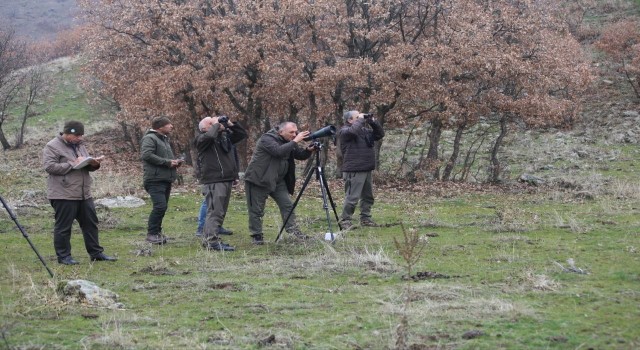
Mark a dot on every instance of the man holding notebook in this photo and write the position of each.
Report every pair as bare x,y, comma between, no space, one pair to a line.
69,192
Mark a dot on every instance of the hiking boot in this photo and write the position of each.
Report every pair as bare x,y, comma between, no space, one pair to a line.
257,239
346,225
219,246
156,239
368,223
224,231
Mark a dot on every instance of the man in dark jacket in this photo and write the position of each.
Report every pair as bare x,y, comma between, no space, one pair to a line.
69,192
159,168
217,173
356,139
271,172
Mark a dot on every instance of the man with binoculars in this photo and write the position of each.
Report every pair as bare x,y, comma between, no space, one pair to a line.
356,139
217,173
271,172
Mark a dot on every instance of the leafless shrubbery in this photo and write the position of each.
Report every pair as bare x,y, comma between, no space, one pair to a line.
410,249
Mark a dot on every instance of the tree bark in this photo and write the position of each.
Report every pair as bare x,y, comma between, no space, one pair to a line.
495,168
432,154
3,140
448,169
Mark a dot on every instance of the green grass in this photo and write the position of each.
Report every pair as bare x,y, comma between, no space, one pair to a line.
500,250
67,100
347,295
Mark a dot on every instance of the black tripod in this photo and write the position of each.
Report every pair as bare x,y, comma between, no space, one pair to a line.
326,195
24,234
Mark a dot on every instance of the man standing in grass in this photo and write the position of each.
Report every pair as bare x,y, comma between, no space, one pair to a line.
218,171
66,160
159,173
271,172
356,139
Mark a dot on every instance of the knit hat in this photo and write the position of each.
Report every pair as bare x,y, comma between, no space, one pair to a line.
159,122
73,127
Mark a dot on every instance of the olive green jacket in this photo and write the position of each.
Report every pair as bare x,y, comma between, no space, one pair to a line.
156,155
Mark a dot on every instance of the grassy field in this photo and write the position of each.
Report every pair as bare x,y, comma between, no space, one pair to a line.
488,278
500,266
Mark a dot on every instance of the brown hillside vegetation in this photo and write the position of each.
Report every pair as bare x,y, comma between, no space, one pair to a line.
463,66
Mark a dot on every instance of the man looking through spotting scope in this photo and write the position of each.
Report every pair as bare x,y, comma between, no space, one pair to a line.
218,171
356,139
271,172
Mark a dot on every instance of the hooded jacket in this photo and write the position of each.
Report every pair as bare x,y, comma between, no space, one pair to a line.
356,142
64,182
273,161
156,155
216,155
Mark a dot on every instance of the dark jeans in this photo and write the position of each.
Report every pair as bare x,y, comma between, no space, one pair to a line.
159,193
65,212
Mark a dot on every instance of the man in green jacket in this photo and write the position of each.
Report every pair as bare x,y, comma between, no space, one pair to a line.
159,168
271,172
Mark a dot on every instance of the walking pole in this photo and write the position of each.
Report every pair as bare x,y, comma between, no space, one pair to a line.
24,234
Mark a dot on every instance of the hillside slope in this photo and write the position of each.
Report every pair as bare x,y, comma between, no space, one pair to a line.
38,19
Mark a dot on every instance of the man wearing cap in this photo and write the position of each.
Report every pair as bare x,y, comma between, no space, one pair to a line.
69,192
159,168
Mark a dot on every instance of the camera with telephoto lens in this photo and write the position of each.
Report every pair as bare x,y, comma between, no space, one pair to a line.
367,115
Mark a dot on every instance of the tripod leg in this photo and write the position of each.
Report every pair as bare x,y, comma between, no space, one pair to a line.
333,205
25,235
295,203
323,189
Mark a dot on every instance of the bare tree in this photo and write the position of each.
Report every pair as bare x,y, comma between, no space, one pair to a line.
36,86
12,58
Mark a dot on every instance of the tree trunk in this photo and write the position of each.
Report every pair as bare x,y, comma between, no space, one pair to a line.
3,140
23,124
126,135
432,154
495,168
448,169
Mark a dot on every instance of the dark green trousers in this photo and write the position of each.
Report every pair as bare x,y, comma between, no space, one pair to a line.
256,201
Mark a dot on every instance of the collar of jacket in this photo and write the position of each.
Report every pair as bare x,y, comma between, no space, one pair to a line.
274,133
160,135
